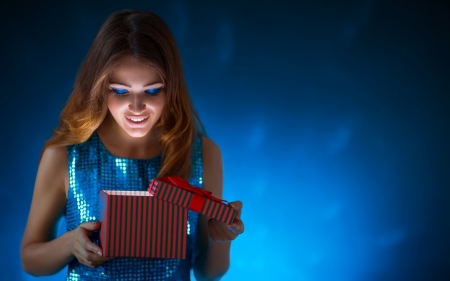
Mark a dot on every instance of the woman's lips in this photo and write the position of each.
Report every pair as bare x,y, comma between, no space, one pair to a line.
137,123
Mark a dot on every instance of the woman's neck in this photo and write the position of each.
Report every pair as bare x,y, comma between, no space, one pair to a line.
120,144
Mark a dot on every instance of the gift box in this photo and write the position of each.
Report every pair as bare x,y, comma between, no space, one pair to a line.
178,191
138,224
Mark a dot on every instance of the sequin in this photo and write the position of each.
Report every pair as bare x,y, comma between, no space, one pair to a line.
91,169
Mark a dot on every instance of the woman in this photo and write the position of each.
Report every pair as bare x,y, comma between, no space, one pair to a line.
129,119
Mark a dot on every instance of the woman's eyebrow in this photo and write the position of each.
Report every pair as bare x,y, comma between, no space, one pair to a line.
118,83
126,85
154,83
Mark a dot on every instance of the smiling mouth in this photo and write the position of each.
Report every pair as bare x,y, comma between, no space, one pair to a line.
137,120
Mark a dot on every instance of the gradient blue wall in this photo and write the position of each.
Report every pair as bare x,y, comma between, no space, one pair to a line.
332,116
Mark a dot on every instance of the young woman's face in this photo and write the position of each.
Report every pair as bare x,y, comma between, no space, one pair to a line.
137,96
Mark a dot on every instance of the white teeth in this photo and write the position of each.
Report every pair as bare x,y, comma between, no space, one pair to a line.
137,119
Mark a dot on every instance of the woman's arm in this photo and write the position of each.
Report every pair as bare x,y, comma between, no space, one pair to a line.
41,253
40,257
213,257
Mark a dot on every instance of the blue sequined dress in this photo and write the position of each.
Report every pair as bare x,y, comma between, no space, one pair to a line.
91,169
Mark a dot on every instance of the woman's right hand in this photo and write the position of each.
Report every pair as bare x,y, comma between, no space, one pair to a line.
83,249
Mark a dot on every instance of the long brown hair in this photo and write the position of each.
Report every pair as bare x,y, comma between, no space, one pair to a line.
146,37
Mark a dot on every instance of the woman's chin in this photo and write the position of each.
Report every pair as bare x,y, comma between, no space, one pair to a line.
137,133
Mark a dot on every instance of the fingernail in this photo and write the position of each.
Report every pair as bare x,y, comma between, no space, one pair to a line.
99,253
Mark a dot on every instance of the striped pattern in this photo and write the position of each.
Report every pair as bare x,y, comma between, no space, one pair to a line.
142,226
213,209
127,192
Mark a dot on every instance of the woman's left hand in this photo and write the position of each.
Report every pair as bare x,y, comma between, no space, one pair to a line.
221,232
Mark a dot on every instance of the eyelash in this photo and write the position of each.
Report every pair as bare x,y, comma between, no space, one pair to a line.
151,92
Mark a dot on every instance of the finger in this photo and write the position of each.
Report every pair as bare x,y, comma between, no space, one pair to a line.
93,264
92,257
237,205
83,239
213,231
91,225
91,247
219,231
237,226
81,254
87,255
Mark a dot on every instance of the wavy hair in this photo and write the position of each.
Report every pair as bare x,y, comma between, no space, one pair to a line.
144,36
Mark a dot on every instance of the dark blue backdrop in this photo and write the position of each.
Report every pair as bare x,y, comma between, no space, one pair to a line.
332,116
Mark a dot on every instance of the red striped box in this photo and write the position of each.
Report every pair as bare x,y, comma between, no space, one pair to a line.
137,224
179,192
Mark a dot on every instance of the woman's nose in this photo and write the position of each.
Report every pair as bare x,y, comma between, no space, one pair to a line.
137,104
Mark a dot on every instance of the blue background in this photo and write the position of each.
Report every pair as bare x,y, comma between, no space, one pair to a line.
332,117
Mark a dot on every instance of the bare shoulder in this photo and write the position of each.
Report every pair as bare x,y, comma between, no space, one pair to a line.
210,148
55,154
212,167
49,196
53,165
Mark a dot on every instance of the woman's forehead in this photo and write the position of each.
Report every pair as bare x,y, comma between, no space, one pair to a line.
132,69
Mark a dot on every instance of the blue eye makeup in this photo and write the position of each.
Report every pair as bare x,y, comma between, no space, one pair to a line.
153,92
119,92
